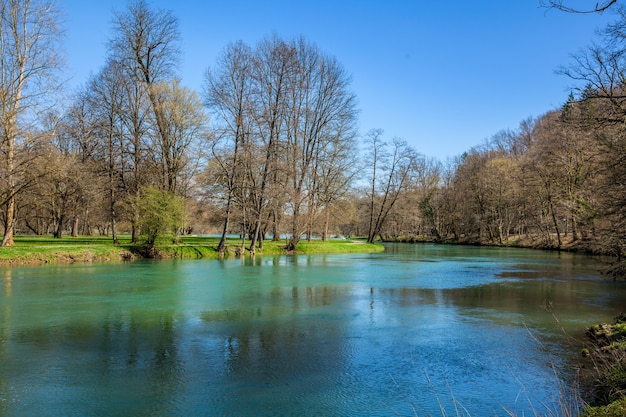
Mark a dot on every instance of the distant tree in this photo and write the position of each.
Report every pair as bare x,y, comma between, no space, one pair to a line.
64,190
500,185
29,57
391,166
284,135
335,169
425,189
447,202
471,195
74,140
598,111
106,100
376,144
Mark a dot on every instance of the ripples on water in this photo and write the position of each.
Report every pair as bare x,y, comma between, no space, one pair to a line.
401,333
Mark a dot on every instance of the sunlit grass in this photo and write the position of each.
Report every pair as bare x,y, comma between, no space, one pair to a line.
338,246
46,249
203,246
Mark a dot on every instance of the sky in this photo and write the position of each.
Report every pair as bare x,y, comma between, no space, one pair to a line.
445,76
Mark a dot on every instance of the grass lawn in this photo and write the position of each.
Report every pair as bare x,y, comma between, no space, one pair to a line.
32,250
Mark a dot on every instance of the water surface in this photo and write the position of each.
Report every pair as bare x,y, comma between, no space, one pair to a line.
405,332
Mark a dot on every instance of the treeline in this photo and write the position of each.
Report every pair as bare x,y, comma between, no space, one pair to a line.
558,181
270,148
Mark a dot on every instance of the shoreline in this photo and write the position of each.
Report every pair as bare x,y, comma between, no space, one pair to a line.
603,373
44,250
613,268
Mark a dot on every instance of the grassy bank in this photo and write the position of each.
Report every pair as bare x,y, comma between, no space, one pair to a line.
36,250
604,373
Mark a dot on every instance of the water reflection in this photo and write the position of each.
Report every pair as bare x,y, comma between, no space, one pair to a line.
368,334
8,282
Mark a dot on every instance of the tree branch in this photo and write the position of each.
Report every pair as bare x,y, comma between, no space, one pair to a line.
600,7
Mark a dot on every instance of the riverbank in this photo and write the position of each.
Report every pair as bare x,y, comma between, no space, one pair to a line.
604,371
41,250
613,267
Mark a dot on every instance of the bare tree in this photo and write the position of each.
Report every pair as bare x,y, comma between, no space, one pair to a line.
228,94
321,112
29,57
598,110
136,165
106,95
184,123
146,43
285,112
274,61
77,155
426,186
335,171
374,140
391,166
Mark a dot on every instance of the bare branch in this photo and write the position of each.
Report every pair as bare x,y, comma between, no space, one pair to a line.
599,7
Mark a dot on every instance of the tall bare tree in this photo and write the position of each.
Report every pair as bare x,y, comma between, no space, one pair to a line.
106,95
391,166
275,61
29,58
320,112
228,92
146,43
335,169
135,162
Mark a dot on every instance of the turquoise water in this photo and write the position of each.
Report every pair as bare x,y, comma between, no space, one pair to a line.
475,331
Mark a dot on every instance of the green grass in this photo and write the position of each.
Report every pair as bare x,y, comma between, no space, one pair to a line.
615,409
338,246
32,250
44,249
203,247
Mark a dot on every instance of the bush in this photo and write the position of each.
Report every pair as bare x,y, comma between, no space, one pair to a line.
160,212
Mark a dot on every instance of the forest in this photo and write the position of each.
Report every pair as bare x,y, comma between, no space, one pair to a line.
270,148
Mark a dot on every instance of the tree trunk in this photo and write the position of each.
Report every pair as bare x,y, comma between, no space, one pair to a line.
556,225
10,212
9,223
75,227
326,225
58,233
222,245
113,215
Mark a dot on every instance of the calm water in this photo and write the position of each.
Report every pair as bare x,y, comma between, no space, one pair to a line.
400,333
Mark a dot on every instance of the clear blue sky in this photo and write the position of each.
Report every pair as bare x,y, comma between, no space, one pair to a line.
443,75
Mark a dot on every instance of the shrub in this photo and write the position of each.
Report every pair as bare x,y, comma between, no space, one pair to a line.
160,212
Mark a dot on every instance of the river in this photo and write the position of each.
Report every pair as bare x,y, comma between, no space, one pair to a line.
412,331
